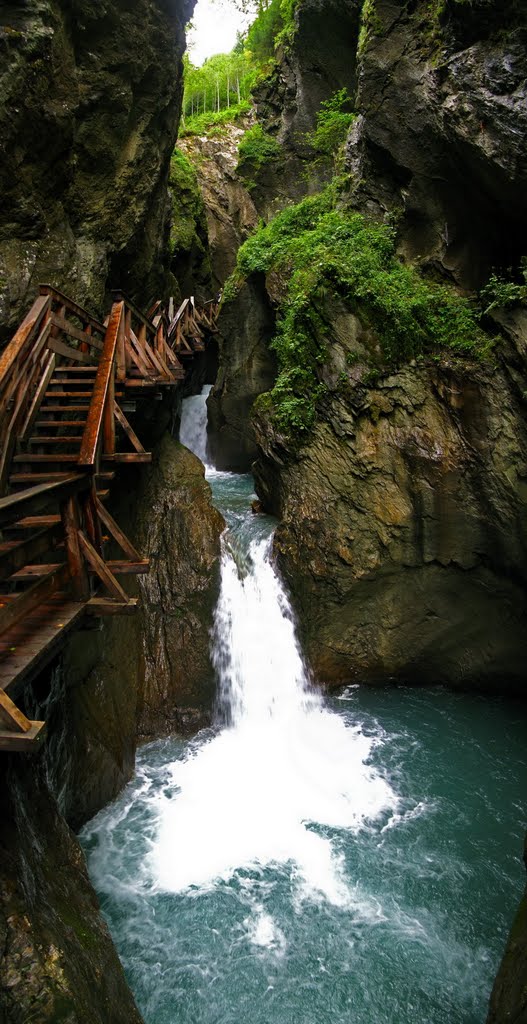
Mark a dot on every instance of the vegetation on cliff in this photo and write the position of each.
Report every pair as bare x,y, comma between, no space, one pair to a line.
319,248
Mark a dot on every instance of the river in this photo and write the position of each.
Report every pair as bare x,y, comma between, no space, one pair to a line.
310,859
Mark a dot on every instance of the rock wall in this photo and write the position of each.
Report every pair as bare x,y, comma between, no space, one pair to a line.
229,209
319,60
442,134
403,520
508,1001
58,962
179,530
90,97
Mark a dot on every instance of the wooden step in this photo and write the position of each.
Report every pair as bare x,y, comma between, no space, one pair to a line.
35,522
27,645
45,458
8,545
36,478
107,475
58,439
74,394
64,408
45,424
68,394
62,381
120,567
76,369
102,495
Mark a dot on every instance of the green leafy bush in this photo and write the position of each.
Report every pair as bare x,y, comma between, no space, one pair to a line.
333,124
212,122
257,148
321,250
502,293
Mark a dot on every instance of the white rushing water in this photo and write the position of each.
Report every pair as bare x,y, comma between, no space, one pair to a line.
263,789
193,429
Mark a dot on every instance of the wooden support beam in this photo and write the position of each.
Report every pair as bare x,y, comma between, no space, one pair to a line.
11,717
80,581
105,606
103,572
130,433
117,534
129,457
13,742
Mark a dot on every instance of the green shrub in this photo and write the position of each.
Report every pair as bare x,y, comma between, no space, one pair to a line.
257,148
212,122
333,124
502,293
322,250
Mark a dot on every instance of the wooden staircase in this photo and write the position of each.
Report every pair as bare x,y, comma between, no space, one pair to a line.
68,383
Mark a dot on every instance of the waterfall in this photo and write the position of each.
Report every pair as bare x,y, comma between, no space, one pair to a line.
267,869
193,429
283,769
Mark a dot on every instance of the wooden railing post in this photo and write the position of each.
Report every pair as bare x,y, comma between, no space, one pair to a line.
120,355
108,423
100,423
80,579
91,518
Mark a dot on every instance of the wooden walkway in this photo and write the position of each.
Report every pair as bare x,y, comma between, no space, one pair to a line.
68,384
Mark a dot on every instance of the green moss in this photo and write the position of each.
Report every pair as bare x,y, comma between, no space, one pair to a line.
187,202
257,148
323,250
370,24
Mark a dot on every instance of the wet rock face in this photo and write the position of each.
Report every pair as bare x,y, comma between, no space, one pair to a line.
180,531
89,700
509,996
442,134
229,209
89,104
320,60
57,960
403,524
247,368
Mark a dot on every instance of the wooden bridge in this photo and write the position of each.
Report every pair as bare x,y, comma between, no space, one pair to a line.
68,384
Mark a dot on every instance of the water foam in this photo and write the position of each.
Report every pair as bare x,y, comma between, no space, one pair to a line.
285,771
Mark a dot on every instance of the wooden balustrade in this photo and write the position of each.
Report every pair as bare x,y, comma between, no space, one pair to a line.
66,383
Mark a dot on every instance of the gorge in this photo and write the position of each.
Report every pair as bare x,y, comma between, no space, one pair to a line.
298,772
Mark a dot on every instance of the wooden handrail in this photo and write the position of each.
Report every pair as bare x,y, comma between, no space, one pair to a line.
72,307
119,296
101,389
23,337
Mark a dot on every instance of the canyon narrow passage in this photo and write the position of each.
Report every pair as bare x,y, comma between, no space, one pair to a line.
310,859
